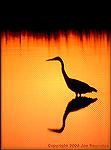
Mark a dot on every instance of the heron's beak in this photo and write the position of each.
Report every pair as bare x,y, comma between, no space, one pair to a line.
49,59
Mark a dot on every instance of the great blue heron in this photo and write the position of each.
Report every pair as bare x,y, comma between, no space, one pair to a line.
77,86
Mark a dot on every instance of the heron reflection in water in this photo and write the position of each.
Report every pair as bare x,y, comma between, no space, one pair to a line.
74,105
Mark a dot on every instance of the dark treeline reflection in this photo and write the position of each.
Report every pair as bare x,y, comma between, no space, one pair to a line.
56,34
74,105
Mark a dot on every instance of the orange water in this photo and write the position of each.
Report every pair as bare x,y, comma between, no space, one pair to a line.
34,94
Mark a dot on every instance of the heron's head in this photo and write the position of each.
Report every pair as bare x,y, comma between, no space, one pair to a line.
55,58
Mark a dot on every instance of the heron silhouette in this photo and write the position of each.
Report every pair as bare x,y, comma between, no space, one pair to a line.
74,105
77,86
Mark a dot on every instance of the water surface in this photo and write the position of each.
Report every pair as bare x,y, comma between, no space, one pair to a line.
34,94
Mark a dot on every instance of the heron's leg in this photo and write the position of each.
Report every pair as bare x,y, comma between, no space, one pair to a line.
80,95
76,94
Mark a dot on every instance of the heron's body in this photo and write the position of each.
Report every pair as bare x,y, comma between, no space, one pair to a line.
77,86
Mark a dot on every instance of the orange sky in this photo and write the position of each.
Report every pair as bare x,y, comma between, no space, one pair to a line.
34,93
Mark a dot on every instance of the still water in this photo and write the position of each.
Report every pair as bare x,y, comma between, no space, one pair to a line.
34,94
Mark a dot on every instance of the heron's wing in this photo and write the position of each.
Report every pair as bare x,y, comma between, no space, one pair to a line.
79,83
79,86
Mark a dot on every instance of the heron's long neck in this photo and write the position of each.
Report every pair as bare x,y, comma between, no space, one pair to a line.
63,72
